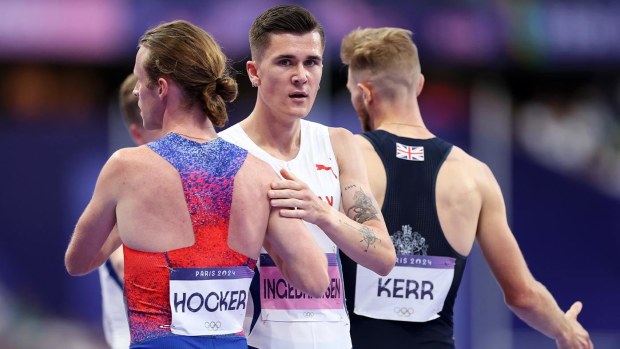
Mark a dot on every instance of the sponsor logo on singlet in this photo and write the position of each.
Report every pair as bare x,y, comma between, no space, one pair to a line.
320,167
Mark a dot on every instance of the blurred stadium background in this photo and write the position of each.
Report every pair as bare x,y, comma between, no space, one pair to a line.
530,87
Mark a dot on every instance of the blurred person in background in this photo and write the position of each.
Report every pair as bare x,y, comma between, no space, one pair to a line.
437,200
111,274
190,209
322,171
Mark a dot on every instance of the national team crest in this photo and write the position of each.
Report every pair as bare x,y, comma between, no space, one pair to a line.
408,242
410,153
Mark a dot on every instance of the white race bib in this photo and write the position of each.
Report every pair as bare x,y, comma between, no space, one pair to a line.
280,301
415,290
209,301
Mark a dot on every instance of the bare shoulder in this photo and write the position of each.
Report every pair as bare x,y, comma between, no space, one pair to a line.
363,142
341,138
346,147
339,131
367,151
253,180
374,163
257,171
131,155
471,167
139,170
468,162
120,161
131,160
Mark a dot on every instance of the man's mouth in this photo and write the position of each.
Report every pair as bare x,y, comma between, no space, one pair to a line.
298,95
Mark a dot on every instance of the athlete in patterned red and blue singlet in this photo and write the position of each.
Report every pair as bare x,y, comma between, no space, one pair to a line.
200,315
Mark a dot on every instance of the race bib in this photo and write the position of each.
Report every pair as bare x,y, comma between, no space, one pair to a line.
209,301
415,290
280,301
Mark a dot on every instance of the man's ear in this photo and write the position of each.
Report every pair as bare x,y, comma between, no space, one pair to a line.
420,85
250,67
163,87
134,132
366,91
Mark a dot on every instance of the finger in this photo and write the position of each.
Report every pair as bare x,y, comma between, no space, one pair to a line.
290,203
288,181
283,194
286,174
294,213
574,310
284,184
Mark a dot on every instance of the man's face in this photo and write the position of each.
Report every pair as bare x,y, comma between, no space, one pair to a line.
148,99
358,102
289,73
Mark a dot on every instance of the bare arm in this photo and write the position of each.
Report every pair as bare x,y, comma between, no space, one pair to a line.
524,295
360,232
377,178
287,240
297,254
94,238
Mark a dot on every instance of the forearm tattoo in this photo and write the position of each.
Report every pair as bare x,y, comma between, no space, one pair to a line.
368,236
363,208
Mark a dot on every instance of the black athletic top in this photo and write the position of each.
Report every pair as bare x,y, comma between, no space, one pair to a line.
409,200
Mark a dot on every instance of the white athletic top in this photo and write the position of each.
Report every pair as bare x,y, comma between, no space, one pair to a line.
288,318
115,323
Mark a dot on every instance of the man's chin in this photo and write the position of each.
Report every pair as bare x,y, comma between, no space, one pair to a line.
299,113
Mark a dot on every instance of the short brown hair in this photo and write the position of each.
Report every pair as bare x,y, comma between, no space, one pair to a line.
129,102
289,19
191,57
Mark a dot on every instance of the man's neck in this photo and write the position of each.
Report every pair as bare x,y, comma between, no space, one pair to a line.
281,140
192,124
405,124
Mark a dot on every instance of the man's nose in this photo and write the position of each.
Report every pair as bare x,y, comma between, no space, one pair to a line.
300,75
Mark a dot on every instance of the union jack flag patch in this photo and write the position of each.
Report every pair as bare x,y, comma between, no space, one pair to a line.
410,153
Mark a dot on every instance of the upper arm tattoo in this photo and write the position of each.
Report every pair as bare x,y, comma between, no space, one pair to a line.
363,208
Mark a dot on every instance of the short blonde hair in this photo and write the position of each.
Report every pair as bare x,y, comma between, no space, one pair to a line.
381,50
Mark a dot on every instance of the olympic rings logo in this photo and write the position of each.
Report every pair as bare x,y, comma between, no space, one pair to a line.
403,311
213,325
308,314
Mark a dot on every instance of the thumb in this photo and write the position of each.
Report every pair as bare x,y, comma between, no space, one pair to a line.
574,310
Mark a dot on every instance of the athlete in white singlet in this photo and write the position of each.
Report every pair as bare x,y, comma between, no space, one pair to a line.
282,312
323,173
